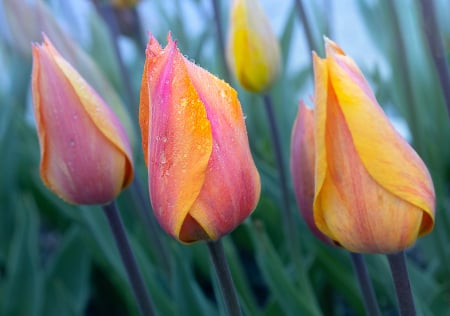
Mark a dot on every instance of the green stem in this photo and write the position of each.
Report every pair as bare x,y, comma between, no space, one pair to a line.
397,263
134,275
405,75
287,218
370,301
220,38
107,12
306,25
437,50
223,274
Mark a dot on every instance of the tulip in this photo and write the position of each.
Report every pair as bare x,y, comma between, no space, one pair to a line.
202,178
373,193
253,52
302,166
85,154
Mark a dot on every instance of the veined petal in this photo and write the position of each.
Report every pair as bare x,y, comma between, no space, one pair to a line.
79,162
223,204
386,156
355,210
101,115
179,142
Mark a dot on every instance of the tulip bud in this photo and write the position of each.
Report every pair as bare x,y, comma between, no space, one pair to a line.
253,52
302,166
202,178
373,193
85,154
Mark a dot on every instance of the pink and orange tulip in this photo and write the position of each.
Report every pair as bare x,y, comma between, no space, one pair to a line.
85,154
373,193
253,52
202,178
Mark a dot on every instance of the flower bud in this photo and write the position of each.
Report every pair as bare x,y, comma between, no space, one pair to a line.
253,51
85,154
373,193
202,178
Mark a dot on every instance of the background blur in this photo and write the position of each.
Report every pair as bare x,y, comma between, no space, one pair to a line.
58,259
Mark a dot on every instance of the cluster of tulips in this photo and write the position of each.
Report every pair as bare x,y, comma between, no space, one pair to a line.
358,184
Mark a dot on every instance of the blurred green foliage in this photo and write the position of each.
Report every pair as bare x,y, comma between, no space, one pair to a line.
57,259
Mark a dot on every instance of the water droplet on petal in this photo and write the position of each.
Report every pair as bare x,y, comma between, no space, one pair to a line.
72,143
162,158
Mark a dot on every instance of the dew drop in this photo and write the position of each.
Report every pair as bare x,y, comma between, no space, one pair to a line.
164,139
223,94
75,117
162,158
72,143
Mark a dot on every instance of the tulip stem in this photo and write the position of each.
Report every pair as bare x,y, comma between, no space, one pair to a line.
128,259
306,25
397,263
223,274
437,50
288,222
370,301
220,38
107,12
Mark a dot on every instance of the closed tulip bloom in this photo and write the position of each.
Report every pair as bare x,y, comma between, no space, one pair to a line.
302,167
253,52
373,194
85,155
202,178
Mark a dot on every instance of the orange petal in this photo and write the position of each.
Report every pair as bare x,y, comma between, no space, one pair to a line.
223,204
387,157
179,138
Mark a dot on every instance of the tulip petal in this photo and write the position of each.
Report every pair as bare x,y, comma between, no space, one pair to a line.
302,166
386,156
223,204
70,140
253,50
179,137
353,208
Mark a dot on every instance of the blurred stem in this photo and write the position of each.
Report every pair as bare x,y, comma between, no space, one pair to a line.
223,274
152,228
397,263
288,220
220,38
370,301
108,14
306,25
405,75
432,36
290,231
134,275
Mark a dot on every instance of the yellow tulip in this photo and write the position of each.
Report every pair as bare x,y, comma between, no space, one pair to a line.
202,178
253,52
85,154
373,193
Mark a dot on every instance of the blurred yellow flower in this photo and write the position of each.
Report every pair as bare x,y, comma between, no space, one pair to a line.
253,51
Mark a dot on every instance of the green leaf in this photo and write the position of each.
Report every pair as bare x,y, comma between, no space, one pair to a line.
281,286
23,288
